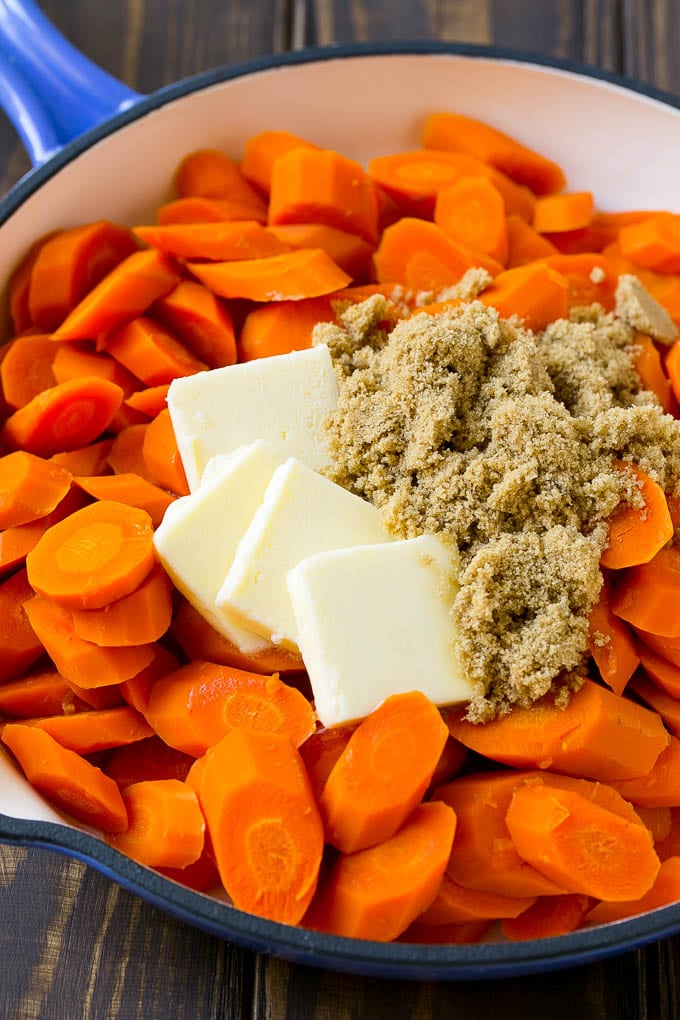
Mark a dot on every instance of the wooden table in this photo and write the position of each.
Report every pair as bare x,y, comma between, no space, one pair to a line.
72,944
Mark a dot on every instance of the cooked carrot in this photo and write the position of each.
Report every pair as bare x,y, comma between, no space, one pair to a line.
548,917
201,320
126,453
664,673
457,132
263,822
413,179
19,285
125,417
535,293
30,488
378,892
664,287
636,534
139,618
66,779
20,647
70,264
201,876
670,846
649,367
194,707
667,706
321,750
409,246
73,360
95,556
321,186
524,243
16,543
648,595
86,460
198,640
165,828
590,278
668,648
349,251
131,489
137,690
567,211
653,243
451,761
150,401
209,210
261,152
616,861
672,368
472,211
43,693
26,368
64,417
221,242
98,698
123,294
611,644
209,173
282,326
87,732
80,662
150,352
665,890
161,455
598,735
305,273
146,759
383,772
657,819
455,904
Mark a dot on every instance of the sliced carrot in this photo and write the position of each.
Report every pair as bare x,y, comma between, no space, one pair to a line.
30,488
150,352
590,277
653,242
16,543
261,152
548,917
19,285
80,662
451,761
43,693
581,845
349,251
657,819
86,460
411,245
667,706
648,595
198,640
209,210
457,132
20,647
208,173
611,644
95,556
668,648
598,735
161,455
524,243
194,707
535,293
146,759
383,772
649,367
126,453
225,241
378,892
70,264
131,489
672,368
66,779
321,186
150,401
26,369
87,732
670,846
201,320
636,534
98,698
165,828
264,824
455,904
321,750
472,211
282,326
665,890
123,294
664,673
74,360
64,417
137,690
201,876
139,618
554,214
305,273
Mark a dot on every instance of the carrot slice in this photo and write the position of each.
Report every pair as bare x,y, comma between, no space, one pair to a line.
611,644
64,417
554,214
590,277
87,732
20,647
457,132
455,904
599,735
321,750
226,241
150,401
665,674
649,367
131,489
636,534
376,893
208,173
146,759
347,250
648,595
282,326
26,368
34,694
667,706
653,242
261,152
421,256
383,772
668,648
19,284
136,691
472,211
201,320
74,360
86,460
194,707
139,618
16,543
123,294
95,556
524,243
534,292
670,846
65,778
126,453
580,845
263,822
161,455
30,488
547,917
665,890
165,828
209,210
150,352
292,276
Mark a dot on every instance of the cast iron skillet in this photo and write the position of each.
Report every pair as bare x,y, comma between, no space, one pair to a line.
74,121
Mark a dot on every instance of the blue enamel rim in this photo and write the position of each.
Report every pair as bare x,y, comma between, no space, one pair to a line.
297,945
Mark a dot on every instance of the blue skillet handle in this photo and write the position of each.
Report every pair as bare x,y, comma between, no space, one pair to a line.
50,92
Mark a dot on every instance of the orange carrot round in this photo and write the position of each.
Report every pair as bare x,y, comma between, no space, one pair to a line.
139,618
473,212
636,534
26,368
166,827
305,273
30,488
87,732
201,320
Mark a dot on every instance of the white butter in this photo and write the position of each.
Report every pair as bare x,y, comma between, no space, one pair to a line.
375,621
284,400
199,534
301,513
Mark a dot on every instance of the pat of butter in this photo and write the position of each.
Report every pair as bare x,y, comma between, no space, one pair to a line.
376,621
199,533
284,400
301,513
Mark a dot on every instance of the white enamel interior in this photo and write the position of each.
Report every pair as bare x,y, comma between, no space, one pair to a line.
623,146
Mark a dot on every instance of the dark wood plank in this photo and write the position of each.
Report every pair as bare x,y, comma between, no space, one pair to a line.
651,37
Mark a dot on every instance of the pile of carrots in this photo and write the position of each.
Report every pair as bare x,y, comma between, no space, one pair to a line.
130,714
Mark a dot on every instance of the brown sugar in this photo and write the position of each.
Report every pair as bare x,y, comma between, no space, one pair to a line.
504,441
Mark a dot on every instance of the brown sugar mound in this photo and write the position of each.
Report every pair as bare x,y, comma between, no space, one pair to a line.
470,426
